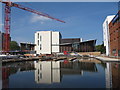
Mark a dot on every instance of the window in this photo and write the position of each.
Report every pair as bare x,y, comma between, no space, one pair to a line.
38,35
38,42
118,52
41,75
40,38
40,47
40,67
114,51
38,71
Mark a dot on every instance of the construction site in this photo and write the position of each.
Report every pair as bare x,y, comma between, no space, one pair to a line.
61,49
7,19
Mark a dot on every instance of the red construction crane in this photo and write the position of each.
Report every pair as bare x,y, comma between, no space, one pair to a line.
8,5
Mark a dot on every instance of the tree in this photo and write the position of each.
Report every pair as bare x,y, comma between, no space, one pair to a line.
101,48
14,46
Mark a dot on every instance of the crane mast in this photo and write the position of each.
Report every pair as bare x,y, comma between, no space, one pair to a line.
8,5
6,44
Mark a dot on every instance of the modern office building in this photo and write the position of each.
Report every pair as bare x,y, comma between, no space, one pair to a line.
114,28
47,42
85,46
106,36
66,44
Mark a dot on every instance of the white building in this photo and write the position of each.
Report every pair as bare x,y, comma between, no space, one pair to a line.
47,42
106,36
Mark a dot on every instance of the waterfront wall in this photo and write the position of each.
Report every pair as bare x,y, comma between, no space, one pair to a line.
90,53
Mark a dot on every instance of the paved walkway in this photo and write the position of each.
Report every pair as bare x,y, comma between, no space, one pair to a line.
108,59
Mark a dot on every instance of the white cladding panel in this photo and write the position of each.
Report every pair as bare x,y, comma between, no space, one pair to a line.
55,38
46,42
55,49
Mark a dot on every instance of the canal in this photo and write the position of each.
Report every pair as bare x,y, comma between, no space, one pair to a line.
86,73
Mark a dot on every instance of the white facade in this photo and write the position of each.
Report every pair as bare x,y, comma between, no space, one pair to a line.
47,42
106,36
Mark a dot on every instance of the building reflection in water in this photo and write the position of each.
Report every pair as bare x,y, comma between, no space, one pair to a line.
48,72
112,73
0,74
13,68
108,75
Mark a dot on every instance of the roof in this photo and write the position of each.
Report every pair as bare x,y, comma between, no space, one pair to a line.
65,43
79,42
27,43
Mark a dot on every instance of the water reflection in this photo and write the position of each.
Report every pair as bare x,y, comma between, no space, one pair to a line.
57,72
51,71
13,68
112,73
47,72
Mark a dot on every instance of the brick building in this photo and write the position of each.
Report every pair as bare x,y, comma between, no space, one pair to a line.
114,29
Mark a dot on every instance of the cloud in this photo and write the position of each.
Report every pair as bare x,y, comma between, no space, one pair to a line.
37,18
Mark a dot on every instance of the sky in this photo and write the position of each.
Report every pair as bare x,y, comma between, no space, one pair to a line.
83,19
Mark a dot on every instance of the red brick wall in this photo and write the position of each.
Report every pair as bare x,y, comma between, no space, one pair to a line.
114,29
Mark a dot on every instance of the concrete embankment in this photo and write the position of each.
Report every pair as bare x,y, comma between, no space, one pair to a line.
33,59
19,60
106,59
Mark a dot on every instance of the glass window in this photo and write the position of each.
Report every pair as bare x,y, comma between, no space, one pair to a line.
41,75
38,35
40,47
40,38
114,51
38,42
118,52
40,67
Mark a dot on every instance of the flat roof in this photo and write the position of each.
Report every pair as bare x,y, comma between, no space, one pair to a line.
77,42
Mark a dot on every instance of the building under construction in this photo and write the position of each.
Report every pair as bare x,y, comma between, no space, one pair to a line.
27,47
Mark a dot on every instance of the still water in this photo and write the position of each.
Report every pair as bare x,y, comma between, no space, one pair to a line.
61,74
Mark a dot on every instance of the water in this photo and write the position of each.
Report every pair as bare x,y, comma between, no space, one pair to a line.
61,74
